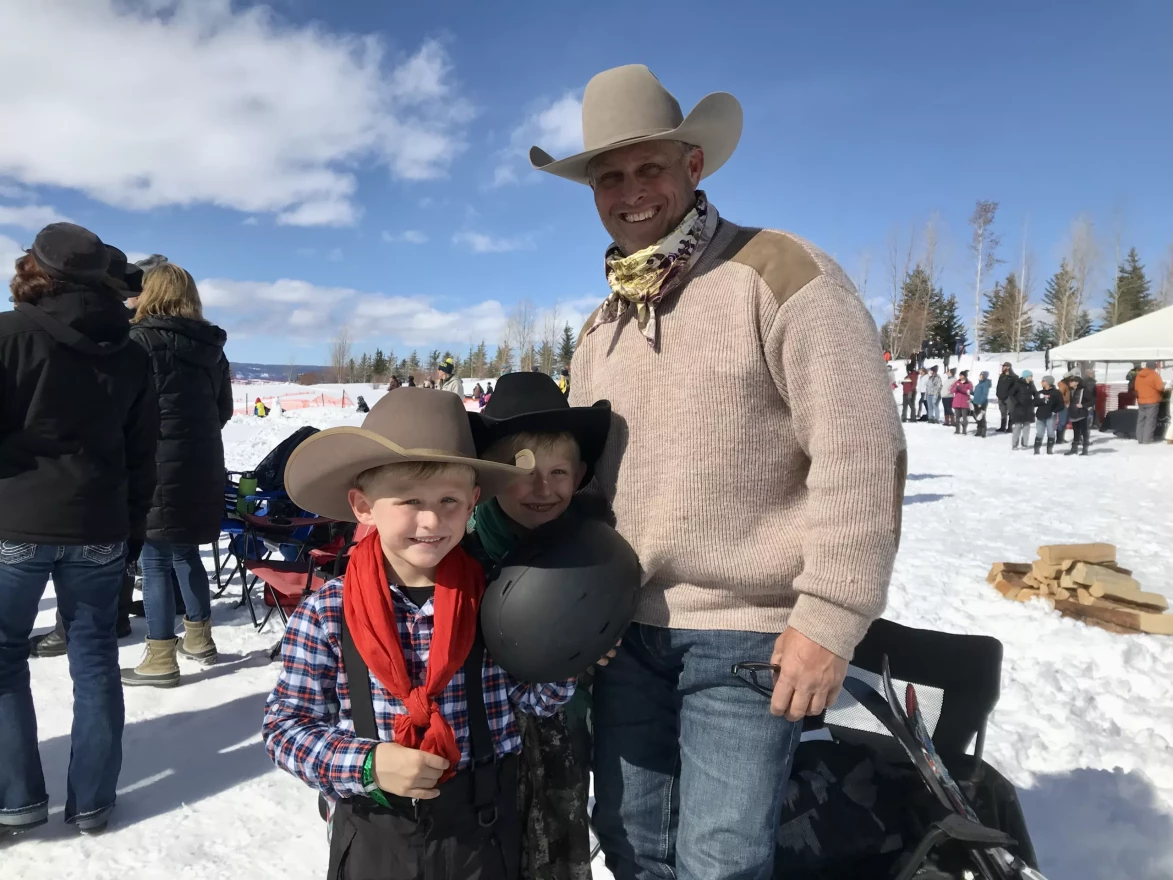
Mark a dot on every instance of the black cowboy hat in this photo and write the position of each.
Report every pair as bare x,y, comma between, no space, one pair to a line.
533,403
68,252
125,277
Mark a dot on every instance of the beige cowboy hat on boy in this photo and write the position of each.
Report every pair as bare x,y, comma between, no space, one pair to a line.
426,426
627,105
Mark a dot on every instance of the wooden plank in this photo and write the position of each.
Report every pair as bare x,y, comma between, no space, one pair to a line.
1026,594
1048,571
1087,574
1056,553
1138,601
1061,594
1007,589
1141,621
1068,584
999,568
1084,597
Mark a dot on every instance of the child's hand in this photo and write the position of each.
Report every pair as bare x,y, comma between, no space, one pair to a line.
408,772
606,658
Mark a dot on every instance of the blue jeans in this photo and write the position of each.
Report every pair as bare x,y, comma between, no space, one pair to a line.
158,559
1045,428
86,580
690,766
934,405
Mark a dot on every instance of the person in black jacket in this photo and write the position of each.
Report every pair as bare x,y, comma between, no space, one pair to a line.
1079,413
78,428
1006,382
193,381
1048,404
1021,403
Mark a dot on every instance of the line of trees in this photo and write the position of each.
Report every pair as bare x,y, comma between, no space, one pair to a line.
523,346
1006,315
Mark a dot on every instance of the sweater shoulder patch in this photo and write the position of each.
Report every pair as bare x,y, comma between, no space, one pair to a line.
782,262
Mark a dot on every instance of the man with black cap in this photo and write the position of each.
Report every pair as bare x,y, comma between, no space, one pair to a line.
77,471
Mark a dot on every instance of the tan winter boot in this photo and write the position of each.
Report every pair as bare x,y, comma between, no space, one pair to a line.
197,642
159,667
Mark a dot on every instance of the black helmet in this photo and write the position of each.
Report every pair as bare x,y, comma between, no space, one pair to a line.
561,600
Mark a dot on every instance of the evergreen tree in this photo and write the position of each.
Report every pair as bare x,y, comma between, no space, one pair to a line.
1006,322
545,357
364,367
913,320
566,347
1083,325
503,360
412,368
946,328
1130,297
1059,301
1043,337
351,370
479,361
379,365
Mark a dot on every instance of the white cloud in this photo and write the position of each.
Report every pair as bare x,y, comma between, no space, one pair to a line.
239,109
10,252
480,243
29,216
408,236
299,311
249,221
555,127
335,255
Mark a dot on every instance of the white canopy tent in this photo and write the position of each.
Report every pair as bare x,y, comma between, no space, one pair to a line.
1149,338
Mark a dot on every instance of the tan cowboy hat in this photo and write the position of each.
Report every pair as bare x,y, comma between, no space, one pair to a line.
627,105
425,426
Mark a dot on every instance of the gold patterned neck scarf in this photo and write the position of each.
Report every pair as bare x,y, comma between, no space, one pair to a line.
644,278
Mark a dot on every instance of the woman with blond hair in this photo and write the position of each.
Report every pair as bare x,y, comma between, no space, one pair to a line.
193,382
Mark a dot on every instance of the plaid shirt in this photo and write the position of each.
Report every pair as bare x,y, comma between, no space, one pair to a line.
307,728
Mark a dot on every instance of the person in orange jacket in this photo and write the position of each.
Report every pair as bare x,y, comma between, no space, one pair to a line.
1150,388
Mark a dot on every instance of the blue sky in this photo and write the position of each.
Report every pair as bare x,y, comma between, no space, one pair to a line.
316,163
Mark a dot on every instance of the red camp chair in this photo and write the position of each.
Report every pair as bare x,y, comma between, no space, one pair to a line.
284,582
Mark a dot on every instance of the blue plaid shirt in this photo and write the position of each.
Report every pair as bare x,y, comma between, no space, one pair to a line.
307,728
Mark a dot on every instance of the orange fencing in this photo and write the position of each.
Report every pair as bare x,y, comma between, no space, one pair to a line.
298,401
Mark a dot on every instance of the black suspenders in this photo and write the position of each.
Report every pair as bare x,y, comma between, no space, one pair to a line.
482,751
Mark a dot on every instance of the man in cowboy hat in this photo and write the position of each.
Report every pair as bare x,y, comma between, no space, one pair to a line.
766,523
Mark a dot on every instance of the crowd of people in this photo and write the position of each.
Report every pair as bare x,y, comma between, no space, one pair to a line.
1049,407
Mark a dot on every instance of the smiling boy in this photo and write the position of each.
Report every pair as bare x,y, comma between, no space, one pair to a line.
529,411
386,701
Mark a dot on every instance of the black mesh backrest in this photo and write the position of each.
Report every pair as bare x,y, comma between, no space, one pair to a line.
966,669
270,473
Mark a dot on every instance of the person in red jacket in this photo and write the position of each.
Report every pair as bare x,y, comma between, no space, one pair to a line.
1150,388
908,386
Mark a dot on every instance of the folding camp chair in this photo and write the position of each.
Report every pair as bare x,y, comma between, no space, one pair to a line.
262,536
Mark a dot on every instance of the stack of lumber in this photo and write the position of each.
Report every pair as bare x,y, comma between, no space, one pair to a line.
1084,581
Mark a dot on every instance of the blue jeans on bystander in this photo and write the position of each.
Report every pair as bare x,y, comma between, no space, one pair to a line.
158,560
690,767
86,580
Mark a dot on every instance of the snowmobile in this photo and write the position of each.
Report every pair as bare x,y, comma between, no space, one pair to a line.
884,787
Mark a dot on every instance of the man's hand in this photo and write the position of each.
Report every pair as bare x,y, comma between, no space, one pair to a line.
809,676
610,655
408,772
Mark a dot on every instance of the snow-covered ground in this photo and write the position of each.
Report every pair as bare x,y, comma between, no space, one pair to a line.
1084,726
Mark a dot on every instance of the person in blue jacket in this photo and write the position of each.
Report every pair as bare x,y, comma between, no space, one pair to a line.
981,399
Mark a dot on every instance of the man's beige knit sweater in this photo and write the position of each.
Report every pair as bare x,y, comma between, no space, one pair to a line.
759,488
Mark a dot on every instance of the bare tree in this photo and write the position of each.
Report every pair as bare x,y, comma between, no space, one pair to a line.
519,332
985,249
1165,287
1026,281
340,354
1083,256
899,265
932,267
861,276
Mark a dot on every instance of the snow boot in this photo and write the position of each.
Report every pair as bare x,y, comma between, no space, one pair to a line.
1038,445
1074,450
1050,447
51,644
197,643
159,667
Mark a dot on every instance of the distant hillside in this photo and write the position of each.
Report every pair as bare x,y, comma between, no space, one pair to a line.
273,372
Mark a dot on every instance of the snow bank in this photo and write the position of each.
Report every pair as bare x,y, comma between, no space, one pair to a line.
1083,727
